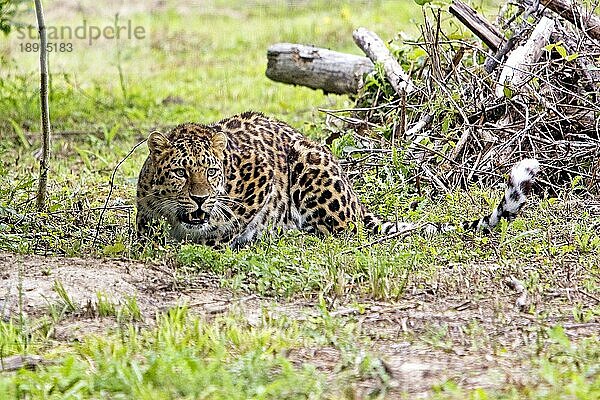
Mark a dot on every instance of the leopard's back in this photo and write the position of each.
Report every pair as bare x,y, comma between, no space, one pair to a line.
284,179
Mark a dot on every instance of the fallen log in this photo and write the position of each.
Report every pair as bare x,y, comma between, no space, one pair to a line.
376,50
584,20
488,33
317,68
518,64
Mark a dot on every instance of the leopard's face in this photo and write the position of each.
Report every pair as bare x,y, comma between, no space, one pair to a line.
188,176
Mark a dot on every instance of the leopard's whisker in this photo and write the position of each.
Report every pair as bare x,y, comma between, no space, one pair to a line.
222,209
230,200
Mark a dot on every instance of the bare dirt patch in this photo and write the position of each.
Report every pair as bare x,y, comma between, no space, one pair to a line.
29,280
432,335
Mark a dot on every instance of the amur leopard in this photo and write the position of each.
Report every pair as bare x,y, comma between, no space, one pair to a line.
229,182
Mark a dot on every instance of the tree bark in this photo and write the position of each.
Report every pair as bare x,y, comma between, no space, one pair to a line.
43,181
584,20
517,66
377,51
488,33
317,68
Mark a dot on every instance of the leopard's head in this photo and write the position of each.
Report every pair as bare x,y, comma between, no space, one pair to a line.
188,174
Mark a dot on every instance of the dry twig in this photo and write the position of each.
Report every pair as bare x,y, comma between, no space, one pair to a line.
45,155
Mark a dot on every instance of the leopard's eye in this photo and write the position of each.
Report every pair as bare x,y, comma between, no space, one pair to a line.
211,171
179,172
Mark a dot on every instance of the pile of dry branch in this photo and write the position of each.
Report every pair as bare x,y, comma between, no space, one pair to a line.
527,86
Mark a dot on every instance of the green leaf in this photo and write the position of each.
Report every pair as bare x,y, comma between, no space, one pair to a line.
572,57
445,124
84,155
114,249
576,183
561,50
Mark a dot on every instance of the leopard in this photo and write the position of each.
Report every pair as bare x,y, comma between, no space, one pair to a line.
230,182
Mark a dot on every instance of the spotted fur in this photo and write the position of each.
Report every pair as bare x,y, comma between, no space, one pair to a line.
229,182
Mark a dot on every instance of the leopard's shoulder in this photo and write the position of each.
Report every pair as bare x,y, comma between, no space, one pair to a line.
253,128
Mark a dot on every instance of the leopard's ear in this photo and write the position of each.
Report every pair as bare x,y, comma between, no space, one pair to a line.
157,143
219,143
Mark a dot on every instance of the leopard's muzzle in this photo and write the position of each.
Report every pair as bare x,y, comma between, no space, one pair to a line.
197,217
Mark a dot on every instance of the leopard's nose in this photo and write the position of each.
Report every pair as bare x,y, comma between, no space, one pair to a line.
198,200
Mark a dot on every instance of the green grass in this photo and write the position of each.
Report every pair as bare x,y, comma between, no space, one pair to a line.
281,265
127,310
564,371
205,63
185,356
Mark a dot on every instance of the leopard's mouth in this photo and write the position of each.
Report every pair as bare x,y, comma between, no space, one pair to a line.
198,217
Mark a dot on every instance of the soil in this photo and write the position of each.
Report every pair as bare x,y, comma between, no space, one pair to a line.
476,338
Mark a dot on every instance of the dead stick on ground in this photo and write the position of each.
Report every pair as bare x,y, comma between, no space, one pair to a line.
518,287
415,132
15,363
395,235
377,51
43,182
462,141
419,126
112,186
